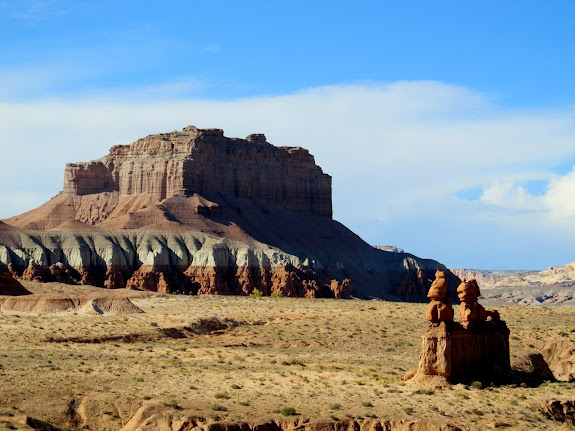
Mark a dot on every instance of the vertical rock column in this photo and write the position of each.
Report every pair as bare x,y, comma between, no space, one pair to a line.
452,352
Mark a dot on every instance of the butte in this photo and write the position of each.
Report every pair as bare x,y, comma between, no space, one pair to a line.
196,212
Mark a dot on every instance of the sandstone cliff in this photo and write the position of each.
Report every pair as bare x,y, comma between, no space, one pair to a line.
196,212
203,161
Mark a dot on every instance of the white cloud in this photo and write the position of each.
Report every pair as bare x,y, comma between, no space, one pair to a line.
510,195
398,152
560,197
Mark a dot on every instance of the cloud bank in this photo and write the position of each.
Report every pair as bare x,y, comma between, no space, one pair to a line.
439,170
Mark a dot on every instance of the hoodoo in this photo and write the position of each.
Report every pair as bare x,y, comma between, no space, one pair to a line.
194,211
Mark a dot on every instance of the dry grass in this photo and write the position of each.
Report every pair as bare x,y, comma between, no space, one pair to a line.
319,358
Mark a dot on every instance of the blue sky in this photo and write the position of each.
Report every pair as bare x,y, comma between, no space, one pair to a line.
448,126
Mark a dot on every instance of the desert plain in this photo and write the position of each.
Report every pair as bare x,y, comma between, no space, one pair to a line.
235,359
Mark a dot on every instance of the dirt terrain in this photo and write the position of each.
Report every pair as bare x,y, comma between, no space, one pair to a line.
251,359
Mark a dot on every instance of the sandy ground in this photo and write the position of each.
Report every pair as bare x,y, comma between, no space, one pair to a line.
324,358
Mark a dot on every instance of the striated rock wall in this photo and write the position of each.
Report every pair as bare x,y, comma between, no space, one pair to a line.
452,354
193,262
189,263
205,161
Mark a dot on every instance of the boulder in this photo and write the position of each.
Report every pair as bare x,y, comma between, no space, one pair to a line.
560,356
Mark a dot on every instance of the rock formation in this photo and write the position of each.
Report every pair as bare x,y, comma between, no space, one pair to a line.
11,287
561,360
440,308
48,304
451,352
205,161
471,312
558,410
553,286
196,212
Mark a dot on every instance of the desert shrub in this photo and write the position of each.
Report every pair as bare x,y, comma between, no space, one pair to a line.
477,385
277,295
256,292
234,386
335,406
219,408
423,392
288,411
408,410
173,404
293,361
222,396
367,404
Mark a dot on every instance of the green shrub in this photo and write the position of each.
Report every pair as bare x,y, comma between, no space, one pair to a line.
256,292
288,411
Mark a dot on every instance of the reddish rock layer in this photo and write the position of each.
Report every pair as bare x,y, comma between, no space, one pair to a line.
10,286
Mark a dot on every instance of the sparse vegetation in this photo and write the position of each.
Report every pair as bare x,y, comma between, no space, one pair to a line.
173,404
219,408
288,411
285,352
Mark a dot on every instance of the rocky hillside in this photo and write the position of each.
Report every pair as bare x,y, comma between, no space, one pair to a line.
197,212
553,286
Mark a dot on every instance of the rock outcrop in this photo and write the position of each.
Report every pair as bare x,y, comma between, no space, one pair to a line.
440,308
48,304
558,410
201,161
452,352
553,286
561,360
11,287
196,212
154,416
471,311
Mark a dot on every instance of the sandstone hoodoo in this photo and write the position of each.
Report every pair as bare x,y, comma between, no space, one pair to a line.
196,212
476,349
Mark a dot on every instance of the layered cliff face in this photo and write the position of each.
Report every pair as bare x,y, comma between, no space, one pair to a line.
196,212
204,161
